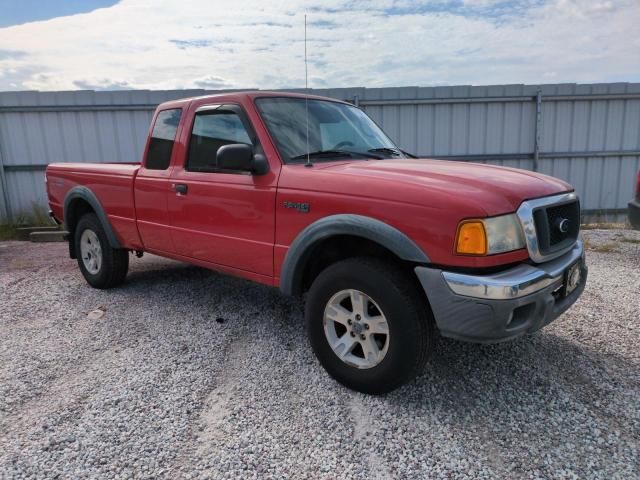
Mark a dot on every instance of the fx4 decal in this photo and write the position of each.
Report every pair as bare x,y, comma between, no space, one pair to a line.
302,207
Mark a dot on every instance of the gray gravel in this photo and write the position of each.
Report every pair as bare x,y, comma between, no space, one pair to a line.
190,374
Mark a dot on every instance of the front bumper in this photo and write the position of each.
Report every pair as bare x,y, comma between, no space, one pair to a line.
634,214
505,305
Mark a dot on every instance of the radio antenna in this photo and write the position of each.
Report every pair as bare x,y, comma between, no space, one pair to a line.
306,87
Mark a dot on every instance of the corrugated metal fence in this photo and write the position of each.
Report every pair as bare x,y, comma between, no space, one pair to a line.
588,135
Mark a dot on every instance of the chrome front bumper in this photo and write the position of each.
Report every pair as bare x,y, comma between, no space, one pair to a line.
504,305
517,281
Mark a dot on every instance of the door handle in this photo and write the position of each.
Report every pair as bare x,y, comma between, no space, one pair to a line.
181,188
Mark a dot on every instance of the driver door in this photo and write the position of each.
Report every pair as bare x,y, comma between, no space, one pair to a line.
221,216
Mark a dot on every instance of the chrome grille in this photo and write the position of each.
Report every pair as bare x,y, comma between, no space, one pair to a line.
557,226
551,225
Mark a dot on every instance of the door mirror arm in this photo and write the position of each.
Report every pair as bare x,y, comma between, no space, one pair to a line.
260,164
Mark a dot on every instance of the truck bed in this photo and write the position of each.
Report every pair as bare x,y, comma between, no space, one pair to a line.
112,183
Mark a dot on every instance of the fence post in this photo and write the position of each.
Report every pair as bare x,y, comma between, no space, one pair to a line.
538,130
5,191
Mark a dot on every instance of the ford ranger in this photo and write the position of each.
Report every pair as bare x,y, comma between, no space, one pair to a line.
309,195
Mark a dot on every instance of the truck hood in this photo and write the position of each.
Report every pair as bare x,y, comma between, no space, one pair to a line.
496,189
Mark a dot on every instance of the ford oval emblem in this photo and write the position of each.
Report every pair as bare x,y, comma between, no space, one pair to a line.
563,225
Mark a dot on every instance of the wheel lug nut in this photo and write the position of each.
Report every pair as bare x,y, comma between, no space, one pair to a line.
349,321
366,326
362,337
357,317
353,334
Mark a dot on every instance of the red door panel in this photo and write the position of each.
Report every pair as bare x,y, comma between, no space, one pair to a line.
152,190
151,186
224,218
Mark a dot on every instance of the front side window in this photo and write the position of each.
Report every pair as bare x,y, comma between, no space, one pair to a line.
162,137
335,130
211,130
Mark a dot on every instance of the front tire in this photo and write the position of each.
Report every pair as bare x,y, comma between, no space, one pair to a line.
369,325
101,265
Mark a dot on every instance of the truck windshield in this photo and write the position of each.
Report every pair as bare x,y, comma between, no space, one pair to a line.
336,130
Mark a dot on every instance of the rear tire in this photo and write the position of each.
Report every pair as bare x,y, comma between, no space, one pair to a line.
101,265
377,320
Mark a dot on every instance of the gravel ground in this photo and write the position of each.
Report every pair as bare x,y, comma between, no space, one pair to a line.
184,373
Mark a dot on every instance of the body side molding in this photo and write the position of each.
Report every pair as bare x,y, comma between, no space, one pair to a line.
369,228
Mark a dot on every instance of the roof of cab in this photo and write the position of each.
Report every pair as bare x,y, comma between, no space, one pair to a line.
237,96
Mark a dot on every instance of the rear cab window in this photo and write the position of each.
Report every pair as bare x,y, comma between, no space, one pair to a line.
163,136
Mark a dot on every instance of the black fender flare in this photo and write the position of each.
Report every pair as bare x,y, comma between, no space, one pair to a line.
292,272
83,193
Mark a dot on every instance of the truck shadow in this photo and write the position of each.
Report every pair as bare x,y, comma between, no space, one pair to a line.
516,408
469,384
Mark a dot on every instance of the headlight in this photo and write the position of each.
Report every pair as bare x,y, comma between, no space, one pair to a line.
486,236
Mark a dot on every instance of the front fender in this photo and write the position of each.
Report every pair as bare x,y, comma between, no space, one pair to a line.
391,238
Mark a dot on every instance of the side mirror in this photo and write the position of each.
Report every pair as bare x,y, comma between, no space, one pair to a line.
235,156
239,156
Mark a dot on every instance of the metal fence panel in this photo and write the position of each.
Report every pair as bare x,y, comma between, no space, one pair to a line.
588,135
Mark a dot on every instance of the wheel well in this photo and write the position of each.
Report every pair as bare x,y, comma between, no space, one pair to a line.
341,247
76,209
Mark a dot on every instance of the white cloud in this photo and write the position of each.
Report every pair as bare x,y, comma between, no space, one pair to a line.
252,43
481,3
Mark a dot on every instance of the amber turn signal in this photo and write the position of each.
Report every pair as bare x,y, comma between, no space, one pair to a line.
471,238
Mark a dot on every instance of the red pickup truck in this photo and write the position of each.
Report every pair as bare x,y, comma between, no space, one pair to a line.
309,195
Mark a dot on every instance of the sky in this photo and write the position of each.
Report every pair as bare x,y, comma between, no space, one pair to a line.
219,44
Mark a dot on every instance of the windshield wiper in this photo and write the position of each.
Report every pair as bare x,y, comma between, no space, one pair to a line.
390,150
334,153
323,153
